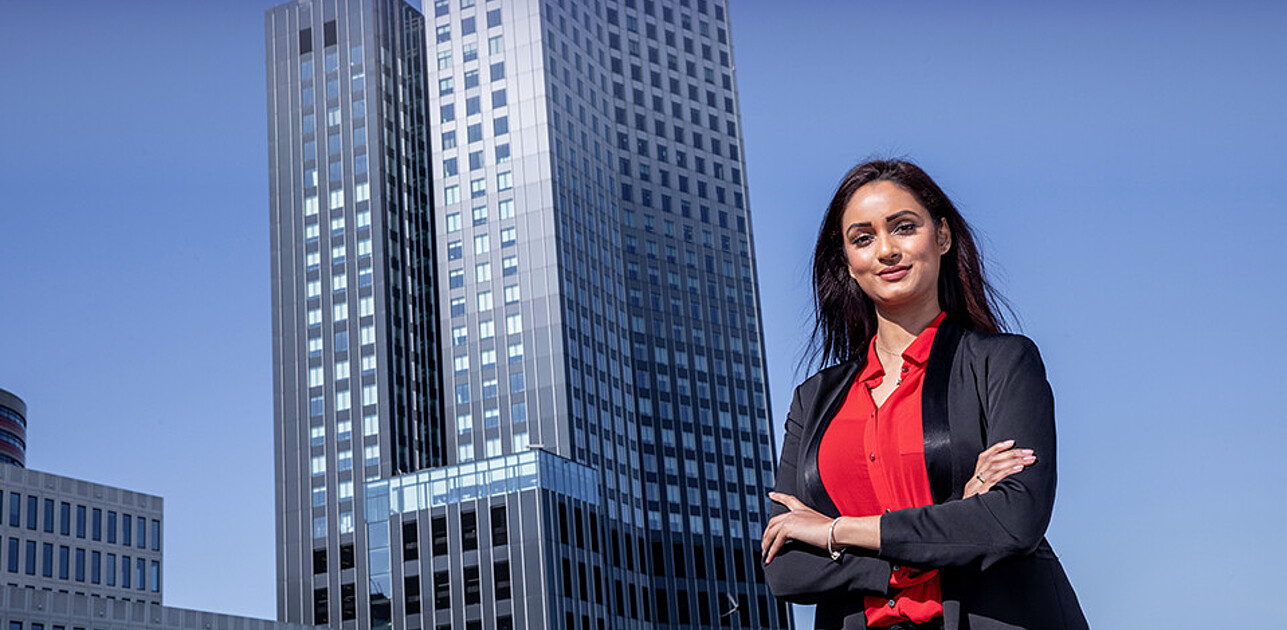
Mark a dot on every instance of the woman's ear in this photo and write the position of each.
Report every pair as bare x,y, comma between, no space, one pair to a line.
944,234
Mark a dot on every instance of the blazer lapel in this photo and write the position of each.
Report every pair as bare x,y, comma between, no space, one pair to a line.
833,389
934,418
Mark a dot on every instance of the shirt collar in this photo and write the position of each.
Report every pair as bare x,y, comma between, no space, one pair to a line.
916,352
919,349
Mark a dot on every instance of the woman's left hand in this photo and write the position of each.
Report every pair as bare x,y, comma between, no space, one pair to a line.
802,523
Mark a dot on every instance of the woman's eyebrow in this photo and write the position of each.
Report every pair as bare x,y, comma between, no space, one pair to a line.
867,224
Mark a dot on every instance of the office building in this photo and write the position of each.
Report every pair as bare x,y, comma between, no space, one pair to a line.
69,535
78,555
603,441
13,430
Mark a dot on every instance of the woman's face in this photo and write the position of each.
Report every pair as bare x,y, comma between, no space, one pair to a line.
893,246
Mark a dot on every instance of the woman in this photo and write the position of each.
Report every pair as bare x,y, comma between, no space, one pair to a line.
889,512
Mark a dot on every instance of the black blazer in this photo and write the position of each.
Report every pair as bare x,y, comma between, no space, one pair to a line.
996,568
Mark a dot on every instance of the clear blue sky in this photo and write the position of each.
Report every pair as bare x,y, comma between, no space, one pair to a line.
1125,166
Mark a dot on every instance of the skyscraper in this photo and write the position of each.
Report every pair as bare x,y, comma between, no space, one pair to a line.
355,361
601,449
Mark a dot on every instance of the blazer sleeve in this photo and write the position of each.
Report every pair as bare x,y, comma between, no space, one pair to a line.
803,574
1011,518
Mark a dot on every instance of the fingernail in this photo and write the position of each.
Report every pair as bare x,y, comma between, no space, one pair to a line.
1018,467
1030,459
1026,451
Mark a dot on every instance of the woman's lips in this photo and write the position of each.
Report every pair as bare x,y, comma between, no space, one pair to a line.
893,274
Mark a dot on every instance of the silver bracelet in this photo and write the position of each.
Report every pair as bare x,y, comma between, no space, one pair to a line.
831,538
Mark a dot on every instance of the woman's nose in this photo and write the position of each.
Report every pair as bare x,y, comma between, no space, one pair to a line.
887,251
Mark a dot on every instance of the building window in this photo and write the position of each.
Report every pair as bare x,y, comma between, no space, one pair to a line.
500,572
442,587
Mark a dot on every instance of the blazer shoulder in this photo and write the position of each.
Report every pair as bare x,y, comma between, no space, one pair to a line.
998,346
824,378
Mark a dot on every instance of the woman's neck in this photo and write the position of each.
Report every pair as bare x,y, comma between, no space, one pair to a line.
896,328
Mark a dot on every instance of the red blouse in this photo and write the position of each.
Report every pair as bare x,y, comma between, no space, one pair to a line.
872,460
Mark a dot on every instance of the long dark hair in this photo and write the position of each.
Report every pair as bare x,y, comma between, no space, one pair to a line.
844,317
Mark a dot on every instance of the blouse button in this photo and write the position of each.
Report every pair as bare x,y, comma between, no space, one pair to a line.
873,457
904,368
891,603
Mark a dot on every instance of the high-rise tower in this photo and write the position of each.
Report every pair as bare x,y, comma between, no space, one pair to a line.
605,419
355,365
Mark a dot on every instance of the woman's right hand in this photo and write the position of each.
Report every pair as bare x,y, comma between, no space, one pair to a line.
996,463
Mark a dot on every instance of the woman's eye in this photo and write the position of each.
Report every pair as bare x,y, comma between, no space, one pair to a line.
859,241
905,227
